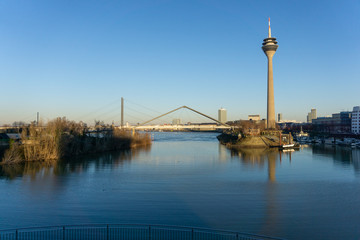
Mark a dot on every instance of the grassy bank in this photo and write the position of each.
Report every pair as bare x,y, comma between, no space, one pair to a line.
63,138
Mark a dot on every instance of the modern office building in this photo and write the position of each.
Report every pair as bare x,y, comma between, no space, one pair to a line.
269,47
355,120
222,115
337,123
176,121
279,117
311,116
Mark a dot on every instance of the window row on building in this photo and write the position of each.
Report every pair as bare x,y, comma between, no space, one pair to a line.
355,122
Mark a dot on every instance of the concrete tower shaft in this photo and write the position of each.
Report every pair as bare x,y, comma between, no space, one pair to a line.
269,47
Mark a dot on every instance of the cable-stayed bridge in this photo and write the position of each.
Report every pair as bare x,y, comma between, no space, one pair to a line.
114,115
217,126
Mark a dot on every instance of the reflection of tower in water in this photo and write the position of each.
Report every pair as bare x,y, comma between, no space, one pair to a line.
259,157
271,157
272,166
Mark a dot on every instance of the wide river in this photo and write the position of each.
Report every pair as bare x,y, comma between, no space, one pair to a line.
189,179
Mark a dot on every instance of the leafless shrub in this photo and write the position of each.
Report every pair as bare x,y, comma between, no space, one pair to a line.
13,154
64,138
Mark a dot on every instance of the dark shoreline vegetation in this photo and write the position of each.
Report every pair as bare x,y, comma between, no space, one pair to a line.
72,164
61,138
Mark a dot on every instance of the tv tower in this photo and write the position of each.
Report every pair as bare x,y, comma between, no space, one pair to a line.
269,47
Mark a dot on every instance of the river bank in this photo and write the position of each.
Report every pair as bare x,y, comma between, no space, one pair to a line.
263,139
62,138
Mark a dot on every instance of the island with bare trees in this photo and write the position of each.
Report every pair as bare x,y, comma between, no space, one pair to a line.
62,138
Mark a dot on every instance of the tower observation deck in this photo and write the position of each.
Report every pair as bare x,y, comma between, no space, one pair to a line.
269,47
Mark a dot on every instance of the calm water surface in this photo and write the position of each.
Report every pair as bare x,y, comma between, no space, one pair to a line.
190,179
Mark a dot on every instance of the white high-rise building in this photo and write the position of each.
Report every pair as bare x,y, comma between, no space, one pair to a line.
311,115
222,115
176,121
355,120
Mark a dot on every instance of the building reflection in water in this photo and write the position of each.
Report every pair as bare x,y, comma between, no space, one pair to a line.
79,164
356,160
272,156
340,155
223,153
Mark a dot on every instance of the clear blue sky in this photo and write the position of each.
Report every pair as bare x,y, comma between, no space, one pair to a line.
78,58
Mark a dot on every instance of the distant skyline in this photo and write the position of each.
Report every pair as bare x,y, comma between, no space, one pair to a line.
78,58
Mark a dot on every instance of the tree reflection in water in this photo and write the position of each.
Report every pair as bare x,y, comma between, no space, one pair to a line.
71,165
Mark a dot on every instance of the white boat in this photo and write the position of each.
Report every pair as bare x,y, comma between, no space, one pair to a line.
288,145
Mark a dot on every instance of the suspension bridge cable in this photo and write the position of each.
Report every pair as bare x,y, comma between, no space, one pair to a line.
188,116
107,112
144,113
129,108
135,117
115,116
32,116
97,110
153,110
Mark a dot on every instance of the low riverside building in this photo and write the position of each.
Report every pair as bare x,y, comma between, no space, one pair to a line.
254,117
291,125
337,123
355,120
